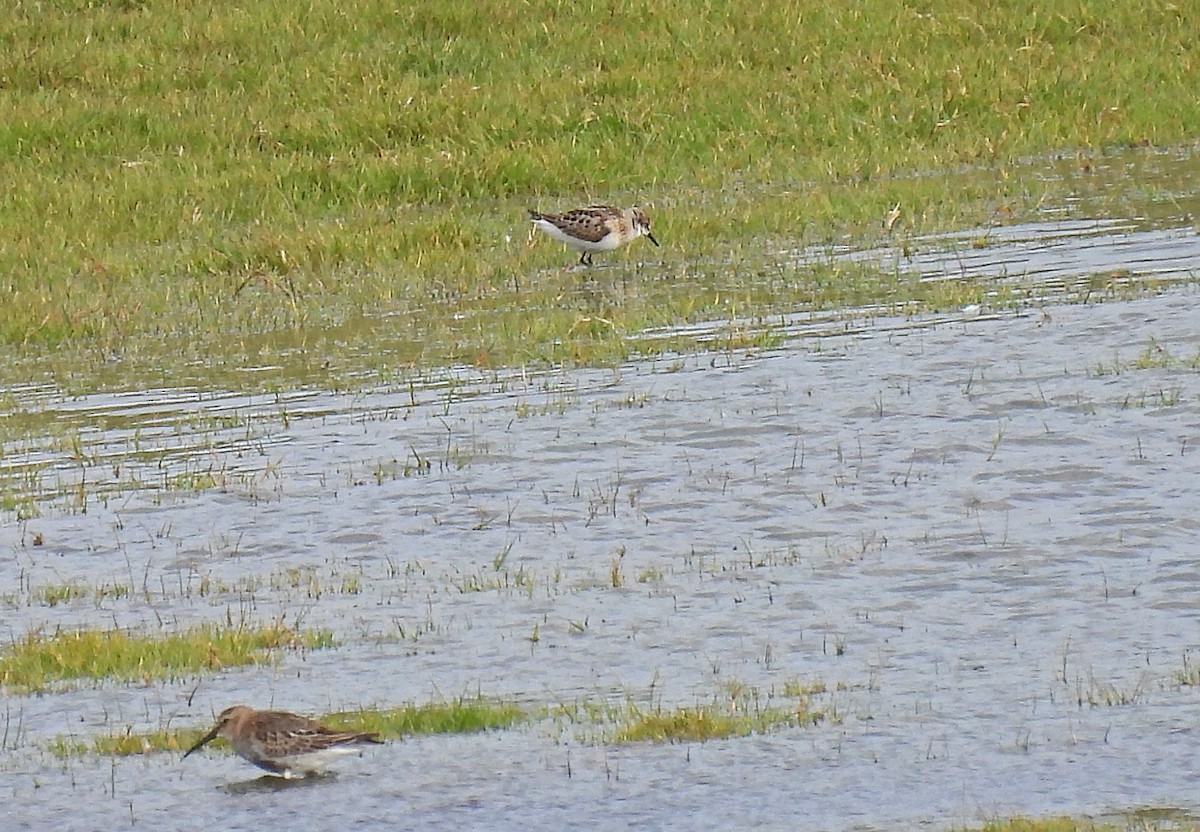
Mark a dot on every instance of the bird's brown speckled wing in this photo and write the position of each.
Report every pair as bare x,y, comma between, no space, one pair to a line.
288,734
590,224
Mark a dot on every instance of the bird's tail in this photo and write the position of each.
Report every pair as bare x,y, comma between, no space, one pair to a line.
535,215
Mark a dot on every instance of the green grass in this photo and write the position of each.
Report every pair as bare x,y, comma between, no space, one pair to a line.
1189,674
1144,819
738,710
345,180
1059,824
462,716
39,662
56,594
696,724
127,743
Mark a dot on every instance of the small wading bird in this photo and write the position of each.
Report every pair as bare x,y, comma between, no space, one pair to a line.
285,744
595,228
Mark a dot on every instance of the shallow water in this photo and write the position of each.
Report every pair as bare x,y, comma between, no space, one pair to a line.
977,531
1051,259
972,527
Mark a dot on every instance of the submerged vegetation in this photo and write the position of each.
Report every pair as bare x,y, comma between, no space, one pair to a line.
39,661
176,192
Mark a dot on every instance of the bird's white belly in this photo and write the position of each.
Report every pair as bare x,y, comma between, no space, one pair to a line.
313,761
298,765
606,243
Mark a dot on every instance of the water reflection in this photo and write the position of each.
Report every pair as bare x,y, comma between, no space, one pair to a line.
273,784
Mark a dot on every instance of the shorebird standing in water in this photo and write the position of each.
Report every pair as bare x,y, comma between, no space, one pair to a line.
595,228
285,744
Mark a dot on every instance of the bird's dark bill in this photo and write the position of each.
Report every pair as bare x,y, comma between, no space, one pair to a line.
205,740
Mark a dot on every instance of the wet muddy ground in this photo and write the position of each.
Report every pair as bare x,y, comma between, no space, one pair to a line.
977,530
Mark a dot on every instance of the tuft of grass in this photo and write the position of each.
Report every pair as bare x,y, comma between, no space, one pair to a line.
461,716
1098,692
1189,674
740,711
127,743
1059,824
699,723
799,688
37,661
54,594
1144,819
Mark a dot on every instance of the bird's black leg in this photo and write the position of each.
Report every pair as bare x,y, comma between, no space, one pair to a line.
585,259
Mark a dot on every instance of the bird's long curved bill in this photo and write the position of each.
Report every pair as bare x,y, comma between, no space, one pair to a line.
205,740
650,237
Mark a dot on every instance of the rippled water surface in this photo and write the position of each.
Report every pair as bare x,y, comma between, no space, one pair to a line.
978,531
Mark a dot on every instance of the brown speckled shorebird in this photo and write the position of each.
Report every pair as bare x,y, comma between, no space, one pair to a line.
286,744
595,228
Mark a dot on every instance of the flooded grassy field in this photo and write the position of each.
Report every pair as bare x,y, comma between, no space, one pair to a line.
860,503
962,542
